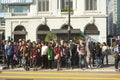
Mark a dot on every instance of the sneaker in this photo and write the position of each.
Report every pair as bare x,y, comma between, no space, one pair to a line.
89,67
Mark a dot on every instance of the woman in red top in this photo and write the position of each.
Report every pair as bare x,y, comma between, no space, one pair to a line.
57,52
34,56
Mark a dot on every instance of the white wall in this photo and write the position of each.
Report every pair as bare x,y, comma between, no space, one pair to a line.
79,19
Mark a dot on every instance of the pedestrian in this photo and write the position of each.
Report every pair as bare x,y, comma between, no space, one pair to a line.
15,56
34,56
50,55
98,55
82,54
44,51
90,49
73,48
27,55
57,52
20,53
67,55
38,47
105,53
117,55
9,53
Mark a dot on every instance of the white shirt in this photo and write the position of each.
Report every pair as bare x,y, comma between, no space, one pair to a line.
44,50
104,48
116,49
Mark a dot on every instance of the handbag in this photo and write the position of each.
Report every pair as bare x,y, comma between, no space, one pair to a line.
116,55
23,61
56,56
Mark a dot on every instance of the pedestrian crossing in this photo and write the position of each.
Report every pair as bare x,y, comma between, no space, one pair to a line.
60,75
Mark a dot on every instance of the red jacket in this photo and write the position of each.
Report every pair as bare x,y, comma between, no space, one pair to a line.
34,54
57,51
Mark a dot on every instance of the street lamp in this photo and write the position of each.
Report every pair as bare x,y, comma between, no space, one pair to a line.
69,29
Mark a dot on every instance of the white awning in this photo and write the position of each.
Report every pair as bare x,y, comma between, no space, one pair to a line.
15,1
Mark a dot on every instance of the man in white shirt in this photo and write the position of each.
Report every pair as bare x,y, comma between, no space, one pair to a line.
44,51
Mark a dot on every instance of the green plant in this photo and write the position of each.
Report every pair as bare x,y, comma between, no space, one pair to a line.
65,10
80,37
50,36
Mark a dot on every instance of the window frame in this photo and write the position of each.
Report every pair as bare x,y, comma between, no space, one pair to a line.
12,8
64,5
43,5
91,5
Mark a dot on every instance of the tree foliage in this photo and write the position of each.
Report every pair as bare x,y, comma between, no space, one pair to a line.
50,36
80,37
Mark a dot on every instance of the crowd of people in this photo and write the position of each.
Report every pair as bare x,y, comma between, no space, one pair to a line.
51,55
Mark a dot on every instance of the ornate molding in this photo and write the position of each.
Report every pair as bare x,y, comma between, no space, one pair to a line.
91,20
43,21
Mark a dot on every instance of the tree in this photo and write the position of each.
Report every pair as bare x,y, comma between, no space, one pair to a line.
80,37
50,36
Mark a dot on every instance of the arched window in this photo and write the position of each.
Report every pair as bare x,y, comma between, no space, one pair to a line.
43,28
91,29
42,31
19,28
19,33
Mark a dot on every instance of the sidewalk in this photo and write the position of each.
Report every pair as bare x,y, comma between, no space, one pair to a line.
109,68
104,69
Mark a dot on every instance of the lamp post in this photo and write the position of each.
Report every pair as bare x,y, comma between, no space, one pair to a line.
69,29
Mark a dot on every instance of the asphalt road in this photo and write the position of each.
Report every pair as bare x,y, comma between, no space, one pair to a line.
59,75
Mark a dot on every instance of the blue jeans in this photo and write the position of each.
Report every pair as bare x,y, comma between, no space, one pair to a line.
98,60
82,58
105,55
67,61
119,65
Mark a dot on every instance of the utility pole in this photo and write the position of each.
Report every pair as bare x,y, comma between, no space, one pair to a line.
69,29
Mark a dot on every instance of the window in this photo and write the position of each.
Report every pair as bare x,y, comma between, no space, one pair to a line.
64,5
91,4
19,8
43,5
3,8
2,21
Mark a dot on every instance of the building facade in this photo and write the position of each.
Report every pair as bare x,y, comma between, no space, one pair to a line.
34,19
114,18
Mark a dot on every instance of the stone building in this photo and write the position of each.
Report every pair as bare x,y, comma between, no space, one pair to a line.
34,19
